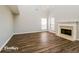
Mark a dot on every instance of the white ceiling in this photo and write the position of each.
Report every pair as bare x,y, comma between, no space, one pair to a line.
56,10
65,11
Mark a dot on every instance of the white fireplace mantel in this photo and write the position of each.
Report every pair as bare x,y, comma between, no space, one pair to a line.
73,24
69,21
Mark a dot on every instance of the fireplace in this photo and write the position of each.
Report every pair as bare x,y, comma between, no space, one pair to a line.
66,31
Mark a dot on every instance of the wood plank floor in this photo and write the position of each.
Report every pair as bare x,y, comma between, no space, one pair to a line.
42,42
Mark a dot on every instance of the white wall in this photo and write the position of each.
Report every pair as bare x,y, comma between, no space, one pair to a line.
29,19
6,25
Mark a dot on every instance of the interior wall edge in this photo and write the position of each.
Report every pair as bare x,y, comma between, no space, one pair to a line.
6,42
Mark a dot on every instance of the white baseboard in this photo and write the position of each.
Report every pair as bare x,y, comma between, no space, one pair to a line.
6,42
52,32
26,32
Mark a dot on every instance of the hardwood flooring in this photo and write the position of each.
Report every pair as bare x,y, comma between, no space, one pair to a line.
42,42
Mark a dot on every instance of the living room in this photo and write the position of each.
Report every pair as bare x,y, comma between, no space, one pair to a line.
39,28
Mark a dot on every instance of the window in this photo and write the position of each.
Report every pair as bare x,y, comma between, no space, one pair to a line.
44,23
52,23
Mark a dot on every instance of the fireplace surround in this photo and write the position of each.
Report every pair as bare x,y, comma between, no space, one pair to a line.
68,30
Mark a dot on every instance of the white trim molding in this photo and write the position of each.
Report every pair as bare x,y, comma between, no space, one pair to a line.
6,42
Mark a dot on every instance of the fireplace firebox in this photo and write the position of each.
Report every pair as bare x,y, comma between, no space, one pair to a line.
66,31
